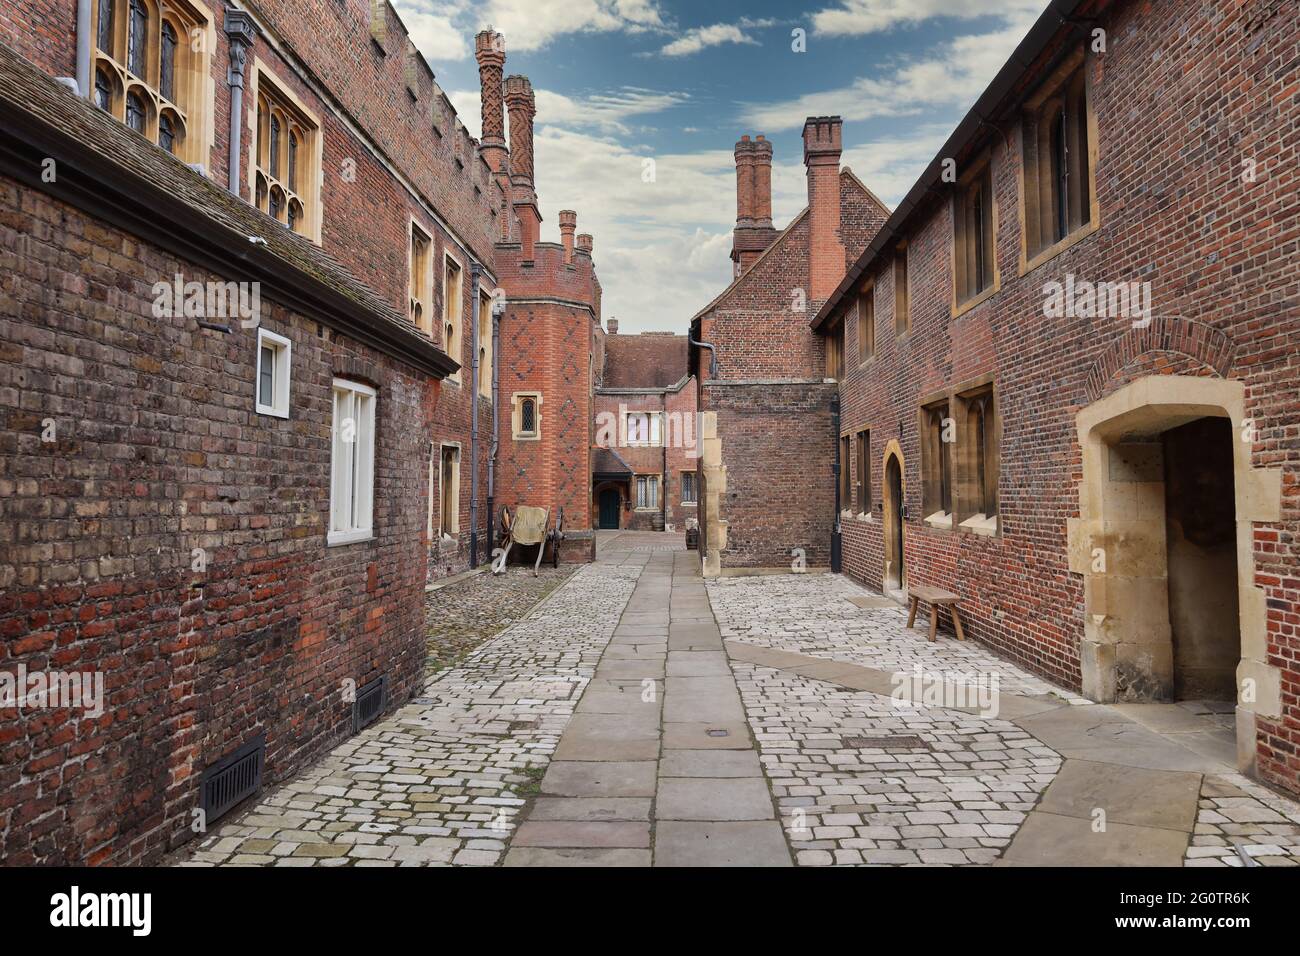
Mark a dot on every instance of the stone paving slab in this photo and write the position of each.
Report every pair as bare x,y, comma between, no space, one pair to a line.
601,779
576,856
710,763
713,798
572,833
747,843
593,809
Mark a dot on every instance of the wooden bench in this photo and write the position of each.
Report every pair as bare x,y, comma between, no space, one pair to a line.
936,598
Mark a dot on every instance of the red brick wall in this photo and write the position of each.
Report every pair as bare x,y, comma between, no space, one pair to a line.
549,330
159,451
1220,254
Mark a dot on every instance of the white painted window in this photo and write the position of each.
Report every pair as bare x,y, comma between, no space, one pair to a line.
647,491
643,428
272,374
352,466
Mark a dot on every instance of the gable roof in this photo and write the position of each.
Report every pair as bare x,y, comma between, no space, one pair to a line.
650,360
109,171
781,238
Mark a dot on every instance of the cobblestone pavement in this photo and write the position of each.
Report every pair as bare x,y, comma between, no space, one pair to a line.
862,778
441,780
953,795
1240,823
461,615
812,614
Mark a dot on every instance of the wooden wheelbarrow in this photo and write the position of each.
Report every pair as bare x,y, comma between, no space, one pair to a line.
528,526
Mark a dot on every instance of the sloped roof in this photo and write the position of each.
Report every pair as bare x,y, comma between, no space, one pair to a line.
607,463
109,170
649,360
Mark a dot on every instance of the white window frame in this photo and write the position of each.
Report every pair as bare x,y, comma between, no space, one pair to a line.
280,373
353,488
654,428
651,482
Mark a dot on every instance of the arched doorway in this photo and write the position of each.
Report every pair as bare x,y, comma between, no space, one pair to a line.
1164,540
895,571
610,501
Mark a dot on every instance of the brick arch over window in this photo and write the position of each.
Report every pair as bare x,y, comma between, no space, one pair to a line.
1165,334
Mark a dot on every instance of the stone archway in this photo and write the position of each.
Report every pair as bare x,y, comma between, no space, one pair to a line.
894,568
1118,543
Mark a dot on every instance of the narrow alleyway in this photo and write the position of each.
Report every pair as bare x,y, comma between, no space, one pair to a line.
638,716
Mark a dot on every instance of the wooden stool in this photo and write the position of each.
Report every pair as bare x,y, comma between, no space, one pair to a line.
936,598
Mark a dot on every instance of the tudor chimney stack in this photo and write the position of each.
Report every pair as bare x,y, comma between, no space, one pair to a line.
753,232
822,145
519,99
568,223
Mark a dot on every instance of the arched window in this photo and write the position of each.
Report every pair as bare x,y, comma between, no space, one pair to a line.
136,38
528,416
285,137
167,133
167,63
275,146
135,111
105,37
103,91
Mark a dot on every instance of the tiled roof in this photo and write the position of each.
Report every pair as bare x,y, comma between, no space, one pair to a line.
606,461
160,177
654,360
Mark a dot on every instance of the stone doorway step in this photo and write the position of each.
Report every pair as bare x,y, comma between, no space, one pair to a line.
657,766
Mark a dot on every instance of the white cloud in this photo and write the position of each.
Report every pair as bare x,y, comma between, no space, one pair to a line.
856,17
434,35
693,41
953,76
606,112
443,30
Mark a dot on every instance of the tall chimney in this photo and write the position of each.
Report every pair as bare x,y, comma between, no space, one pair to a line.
568,223
490,51
753,232
744,182
822,144
762,204
612,326
519,99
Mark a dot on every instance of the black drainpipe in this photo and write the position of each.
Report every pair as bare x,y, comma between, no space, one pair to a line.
836,540
475,271
496,419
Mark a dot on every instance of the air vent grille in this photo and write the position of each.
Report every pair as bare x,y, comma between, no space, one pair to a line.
370,703
232,779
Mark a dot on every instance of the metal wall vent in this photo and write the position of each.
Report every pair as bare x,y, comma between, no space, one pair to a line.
369,704
232,779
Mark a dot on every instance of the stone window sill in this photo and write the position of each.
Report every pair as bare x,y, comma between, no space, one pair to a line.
981,524
940,519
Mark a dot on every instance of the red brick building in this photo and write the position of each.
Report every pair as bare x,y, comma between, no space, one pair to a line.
766,488
230,513
644,467
1070,366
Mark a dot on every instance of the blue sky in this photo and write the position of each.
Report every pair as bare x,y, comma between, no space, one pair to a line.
622,81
